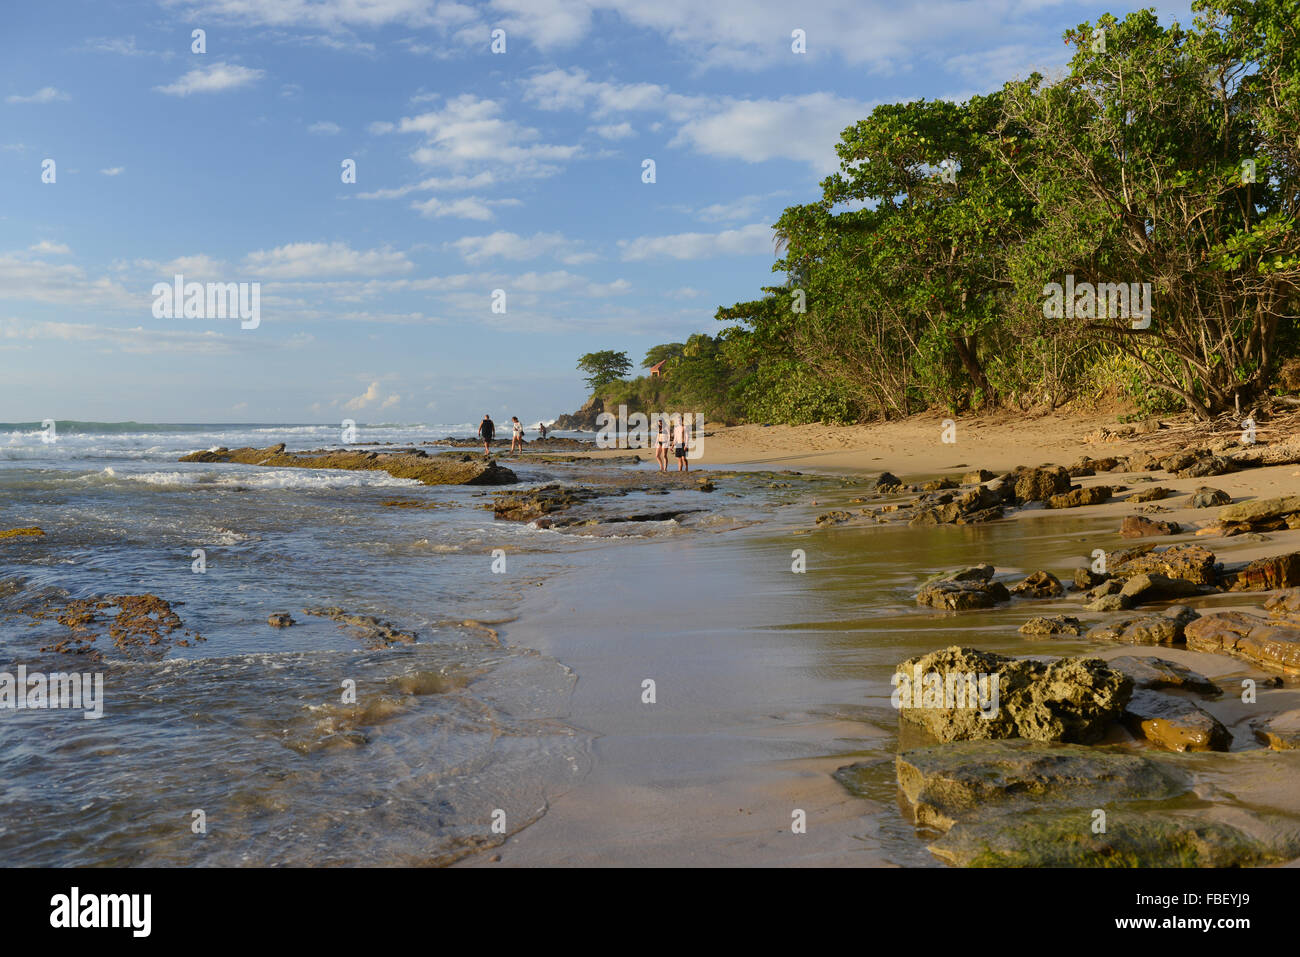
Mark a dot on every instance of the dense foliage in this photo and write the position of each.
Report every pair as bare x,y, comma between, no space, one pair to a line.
1165,160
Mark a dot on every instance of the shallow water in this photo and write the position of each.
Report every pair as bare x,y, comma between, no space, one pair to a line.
249,725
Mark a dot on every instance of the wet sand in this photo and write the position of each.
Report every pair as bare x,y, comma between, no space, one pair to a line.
767,681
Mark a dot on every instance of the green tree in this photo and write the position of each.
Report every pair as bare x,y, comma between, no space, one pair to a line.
604,367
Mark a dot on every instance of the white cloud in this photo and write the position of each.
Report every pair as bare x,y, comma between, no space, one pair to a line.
305,260
371,396
614,131
435,183
469,131
507,245
744,207
113,170
752,240
46,94
27,279
50,247
123,46
802,128
466,207
325,128
138,340
212,79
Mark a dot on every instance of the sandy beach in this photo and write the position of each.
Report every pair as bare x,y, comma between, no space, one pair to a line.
761,706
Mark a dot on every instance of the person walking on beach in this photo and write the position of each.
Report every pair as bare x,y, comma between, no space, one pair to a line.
516,434
486,429
542,428
681,437
661,448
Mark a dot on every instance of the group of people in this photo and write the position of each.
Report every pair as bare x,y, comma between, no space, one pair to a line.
487,429
680,436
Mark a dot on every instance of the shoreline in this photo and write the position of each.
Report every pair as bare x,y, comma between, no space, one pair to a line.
588,824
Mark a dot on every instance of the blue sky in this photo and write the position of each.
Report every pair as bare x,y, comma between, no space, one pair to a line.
475,171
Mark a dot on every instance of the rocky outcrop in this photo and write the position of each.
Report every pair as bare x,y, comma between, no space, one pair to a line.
1174,723
943,785
1040,484
1144,588
969,588
1093,495
1206,497
584,420
1153,494
1281,732
1270,642
1040,584
1160,674
1141,837
450,469
1167,629
1193,563
1266,574
1070,699
1139,526
1052,627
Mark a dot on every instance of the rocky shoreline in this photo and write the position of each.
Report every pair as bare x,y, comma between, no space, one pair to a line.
1045,760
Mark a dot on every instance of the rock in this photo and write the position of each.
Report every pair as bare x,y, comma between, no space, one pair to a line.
1141,837
585,419
1157,673
833,518
1206,497
1265,641
280,619
1284,602
1174,723
1141,462
1071,699
1286,452
1086,578
945,784
1166,629
977,477
888,481
1111,602
1051,626
1181,459
1207,466
1150,494
1093,495
526,505
1040,584
1138,526
1144,588
431,470
1260,510
938,485
1266,574
1040,484
32,532
1194,563
970,588
1281,732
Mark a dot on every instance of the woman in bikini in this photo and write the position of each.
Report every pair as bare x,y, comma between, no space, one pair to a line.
661,448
